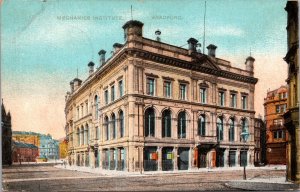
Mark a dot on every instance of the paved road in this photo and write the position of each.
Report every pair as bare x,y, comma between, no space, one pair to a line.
48,178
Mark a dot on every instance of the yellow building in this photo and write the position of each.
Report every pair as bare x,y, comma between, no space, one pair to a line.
155,106
291,117
63,148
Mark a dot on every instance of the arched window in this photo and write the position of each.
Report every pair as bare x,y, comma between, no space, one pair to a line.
231,129
113,125
121,119
245,125
82,136
201,125
220,128
149,122
78,136
181,129
106,127
87,134
166,123
96,101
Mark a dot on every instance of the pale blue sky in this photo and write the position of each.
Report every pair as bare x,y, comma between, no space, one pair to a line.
40,52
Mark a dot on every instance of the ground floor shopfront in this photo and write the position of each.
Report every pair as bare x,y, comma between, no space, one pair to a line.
162,158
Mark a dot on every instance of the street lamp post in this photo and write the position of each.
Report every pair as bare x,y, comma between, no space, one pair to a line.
244,136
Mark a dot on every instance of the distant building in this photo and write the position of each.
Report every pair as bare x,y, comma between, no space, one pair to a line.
63,148
49,147
153,106
291,117
27,137
275,106
6,136
260,141
24,152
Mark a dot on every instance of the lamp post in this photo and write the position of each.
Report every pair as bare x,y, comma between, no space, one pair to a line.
244,136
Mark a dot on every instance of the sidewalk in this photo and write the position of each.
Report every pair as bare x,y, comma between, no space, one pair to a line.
263,184
147,173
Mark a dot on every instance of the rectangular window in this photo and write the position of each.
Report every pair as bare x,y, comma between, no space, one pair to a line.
77,112
112,93
244,102
86,108
280,95
182,91
283,108
106,96
202,95
82,110
275,134
121,88
150,86
167,89
221,98
233,100
277,108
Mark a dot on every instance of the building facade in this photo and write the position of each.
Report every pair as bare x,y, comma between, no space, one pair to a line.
260,142
291,117
24,152
49,147
63,148
275,106
154,106
26,137
6,136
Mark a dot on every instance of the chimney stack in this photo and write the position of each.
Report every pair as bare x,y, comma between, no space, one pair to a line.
250,63
133,28
192,45
117,47
77,83
72,86
91,67
102,56
211,50
158,33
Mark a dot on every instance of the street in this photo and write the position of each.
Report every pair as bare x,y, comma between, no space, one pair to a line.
49,178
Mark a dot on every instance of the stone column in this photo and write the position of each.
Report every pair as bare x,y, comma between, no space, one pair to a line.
237,158
158,127
175,153
226,160
159,151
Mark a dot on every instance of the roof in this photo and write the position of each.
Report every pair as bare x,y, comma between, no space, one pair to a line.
24,145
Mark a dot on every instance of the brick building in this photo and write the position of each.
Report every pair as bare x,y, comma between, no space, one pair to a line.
24,152
275,106
155,106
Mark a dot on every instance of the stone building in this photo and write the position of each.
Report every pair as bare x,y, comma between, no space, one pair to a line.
6,136
291,117
155,106
275,106
260,142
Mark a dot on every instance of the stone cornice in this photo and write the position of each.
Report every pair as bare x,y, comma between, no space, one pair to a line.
190,65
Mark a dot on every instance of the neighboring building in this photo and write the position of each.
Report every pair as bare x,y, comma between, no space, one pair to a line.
291,117
49,147
260,142
6,136
26,137
63,148
275,105
156,106
24,152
